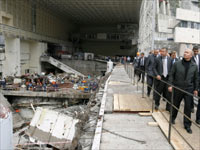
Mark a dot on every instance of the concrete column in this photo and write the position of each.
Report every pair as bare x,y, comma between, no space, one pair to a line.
163,7
11,65
36,50
157,7
168,8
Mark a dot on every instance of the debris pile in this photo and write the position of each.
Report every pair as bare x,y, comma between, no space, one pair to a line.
51,124
49,82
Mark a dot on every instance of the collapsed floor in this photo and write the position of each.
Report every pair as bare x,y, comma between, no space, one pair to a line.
85,111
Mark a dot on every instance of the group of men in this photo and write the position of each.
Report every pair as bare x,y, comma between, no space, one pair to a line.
170,74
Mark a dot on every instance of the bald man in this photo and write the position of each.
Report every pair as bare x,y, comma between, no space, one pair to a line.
184,75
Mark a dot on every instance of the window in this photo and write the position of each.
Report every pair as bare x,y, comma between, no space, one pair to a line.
192,25
184,24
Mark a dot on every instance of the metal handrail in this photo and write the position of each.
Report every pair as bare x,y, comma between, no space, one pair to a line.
172,106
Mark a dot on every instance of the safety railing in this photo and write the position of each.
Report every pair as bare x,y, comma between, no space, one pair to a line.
130,71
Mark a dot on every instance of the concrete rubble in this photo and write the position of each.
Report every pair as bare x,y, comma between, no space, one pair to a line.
49,124
53,128
6,125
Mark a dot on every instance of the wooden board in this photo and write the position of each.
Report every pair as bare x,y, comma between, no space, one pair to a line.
194,138
177,141
153,124
116,102
130,103
145,114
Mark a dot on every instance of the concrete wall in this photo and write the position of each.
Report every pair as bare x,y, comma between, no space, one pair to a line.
47,23
146,26
36,50
25,55
86,67
188,15
11,65
21,55
187,35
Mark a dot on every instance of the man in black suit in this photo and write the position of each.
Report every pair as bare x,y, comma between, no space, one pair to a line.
196,59
162,68
149,70
142,61
184,75
173,57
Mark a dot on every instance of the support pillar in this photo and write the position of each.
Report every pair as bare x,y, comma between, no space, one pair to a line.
11,65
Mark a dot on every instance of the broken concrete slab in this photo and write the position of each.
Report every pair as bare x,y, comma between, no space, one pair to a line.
54,128
17,119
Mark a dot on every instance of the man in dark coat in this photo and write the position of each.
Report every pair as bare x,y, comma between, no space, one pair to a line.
149,70
184,75
162,68
173,57
142,61
196,59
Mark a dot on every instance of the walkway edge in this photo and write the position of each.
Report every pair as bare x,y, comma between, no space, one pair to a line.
98,131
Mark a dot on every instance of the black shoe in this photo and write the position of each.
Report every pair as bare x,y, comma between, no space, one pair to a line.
167,109
156,107
173,121
188,129
198,121
192,110
148,94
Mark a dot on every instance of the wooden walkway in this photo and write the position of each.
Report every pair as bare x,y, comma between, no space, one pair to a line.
124,127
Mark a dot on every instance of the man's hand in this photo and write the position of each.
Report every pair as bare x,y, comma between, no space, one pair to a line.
158,77
170,89
196,93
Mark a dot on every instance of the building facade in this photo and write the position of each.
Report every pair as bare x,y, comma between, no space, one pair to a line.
174,24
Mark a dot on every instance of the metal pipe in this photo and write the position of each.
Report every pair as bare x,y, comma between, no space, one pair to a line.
170,117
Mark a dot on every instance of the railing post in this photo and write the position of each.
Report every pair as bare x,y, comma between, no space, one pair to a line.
137,82
170,119
128,70
131,74
152,89
143,86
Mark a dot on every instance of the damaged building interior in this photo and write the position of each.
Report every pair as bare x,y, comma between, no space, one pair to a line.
53,57
56,59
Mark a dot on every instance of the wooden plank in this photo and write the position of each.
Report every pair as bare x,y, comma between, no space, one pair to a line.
116,102
130,103
153,124
194,138
177,141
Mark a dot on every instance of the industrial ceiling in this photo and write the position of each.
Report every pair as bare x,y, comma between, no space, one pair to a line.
85,12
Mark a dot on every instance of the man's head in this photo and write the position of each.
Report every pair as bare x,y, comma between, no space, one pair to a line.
142,54
163,52
138,54
188,54
156,52
173,54
195,50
